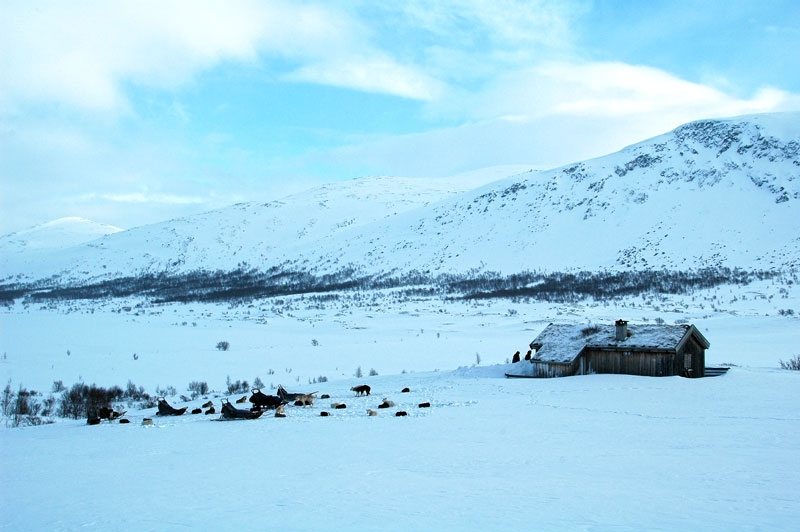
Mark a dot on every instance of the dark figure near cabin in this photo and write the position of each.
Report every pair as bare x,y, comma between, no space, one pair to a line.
515,358
528,355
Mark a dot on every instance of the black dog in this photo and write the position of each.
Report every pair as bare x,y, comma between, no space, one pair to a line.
362,389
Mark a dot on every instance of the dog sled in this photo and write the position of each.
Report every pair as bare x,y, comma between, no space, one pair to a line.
305,398
262,401
231,412
164,409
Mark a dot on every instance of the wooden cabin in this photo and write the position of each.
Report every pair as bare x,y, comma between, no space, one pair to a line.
563,350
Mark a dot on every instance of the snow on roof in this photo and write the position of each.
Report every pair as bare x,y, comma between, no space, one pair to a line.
562,343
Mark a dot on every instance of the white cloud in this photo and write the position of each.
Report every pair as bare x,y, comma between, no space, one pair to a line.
145,197
83,54
554,114
374,74
606,89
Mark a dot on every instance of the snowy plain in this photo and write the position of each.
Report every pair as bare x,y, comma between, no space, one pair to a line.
594,452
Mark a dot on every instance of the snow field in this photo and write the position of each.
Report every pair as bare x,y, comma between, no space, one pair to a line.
591,452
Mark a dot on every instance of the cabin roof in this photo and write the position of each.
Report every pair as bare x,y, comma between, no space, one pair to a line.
563,343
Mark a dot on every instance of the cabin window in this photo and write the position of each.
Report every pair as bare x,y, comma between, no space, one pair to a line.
687,361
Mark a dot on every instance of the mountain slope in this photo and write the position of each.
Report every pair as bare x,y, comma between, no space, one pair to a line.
56,234
710,193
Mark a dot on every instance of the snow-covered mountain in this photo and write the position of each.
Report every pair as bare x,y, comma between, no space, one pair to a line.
56,234
710,193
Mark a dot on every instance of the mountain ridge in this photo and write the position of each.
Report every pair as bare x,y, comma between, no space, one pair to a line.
711,193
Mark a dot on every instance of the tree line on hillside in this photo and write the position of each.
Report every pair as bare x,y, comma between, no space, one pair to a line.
249,284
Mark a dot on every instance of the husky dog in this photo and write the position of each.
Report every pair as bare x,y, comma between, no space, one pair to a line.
207,404
279,411
147,422
211,410
405,390
338,406
371,412
242,399
424,405
197,411
386,404
306,398
400,413
362,389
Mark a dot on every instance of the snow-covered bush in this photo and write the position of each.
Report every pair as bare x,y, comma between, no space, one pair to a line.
793,363
223,345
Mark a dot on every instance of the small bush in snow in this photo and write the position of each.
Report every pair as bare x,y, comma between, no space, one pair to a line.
590,330
81,400
6,399
236,387
793,363
223,345
315,342
322,378
164,392
198,388
258,383
372,372
358,374
25,409
58,386
132,393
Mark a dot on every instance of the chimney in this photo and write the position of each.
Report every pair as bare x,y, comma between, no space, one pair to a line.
621,330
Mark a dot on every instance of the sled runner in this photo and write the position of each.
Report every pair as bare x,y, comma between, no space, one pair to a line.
261,400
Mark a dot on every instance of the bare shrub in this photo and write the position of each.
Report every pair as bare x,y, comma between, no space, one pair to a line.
25,408
81,400
590,330
237,386
372,372
7,399
223,345
167,391
793,363
198,388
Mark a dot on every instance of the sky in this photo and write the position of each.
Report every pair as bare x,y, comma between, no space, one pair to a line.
134,112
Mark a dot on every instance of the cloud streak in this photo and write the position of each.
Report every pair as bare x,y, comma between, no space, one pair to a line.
84,54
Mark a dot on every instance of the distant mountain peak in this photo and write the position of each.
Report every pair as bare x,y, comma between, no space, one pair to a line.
60,233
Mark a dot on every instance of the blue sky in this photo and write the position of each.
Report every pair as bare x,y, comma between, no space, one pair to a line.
134,112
